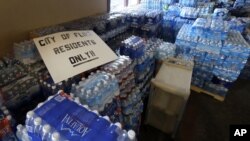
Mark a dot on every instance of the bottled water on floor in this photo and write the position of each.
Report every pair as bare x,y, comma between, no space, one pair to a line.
218,62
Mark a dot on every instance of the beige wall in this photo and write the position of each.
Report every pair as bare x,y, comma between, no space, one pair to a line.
19,17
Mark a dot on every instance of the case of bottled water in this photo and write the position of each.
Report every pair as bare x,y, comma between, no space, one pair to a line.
218,63
75,122
22,90
26,52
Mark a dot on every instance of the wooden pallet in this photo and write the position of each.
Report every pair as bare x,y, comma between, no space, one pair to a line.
215,96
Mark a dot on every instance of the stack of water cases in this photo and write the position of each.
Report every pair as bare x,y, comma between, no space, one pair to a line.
10,70
219,53
130,95
146,23
20,91
16,85
242,4
61,119
152,4
48,87
107,26
143,58
152,26
177,15
26,52
6,125
239,24
163,49
142,55
100,91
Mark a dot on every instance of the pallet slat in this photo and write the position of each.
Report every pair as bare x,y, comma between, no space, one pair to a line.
215,96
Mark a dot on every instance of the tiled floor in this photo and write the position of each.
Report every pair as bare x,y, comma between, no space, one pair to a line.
206,119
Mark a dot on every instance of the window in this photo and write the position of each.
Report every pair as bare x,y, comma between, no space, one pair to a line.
116,5
132,2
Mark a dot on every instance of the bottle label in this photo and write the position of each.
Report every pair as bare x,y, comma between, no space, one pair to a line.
73,122
74,126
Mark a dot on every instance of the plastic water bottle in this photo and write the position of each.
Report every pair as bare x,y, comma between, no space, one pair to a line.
29,121
25,136
57,137
37,126
11,120
19,133
46,132
112,133
132,135
127,136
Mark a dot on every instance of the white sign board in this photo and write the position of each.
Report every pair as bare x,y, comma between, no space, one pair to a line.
69,53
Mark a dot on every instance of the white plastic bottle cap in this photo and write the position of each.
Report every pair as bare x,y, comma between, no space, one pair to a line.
96,112
98,84
46,128
107,118
37,121
30,114
118,124
112,76
19,127
106,77
9,117
60,91
6,112
72,95
82,90
105,83
96,89
77,100
86,106
88,92
55,136
53,87
50,97
131,134
40,104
